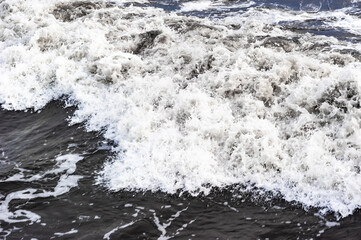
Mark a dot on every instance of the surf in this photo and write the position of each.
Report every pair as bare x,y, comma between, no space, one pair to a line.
194,103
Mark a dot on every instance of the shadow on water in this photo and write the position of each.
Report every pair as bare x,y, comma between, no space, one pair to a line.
32,140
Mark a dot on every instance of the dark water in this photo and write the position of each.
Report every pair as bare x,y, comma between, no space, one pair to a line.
30,141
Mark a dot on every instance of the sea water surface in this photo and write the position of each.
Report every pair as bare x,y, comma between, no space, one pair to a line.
180,119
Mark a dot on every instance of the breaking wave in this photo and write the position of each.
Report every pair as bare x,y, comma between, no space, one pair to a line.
193,103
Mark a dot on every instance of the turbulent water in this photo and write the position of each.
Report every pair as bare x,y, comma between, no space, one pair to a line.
180,119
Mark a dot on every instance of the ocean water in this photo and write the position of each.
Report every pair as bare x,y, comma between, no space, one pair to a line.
180,119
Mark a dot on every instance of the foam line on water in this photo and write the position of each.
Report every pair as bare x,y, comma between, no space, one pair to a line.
72,231
66,167
209,5
108,234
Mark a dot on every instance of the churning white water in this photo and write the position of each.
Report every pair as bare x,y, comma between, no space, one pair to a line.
191,103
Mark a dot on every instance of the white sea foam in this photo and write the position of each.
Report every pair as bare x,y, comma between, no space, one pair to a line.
193,104
196,6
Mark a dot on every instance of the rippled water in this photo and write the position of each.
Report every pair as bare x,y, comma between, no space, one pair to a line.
180,119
